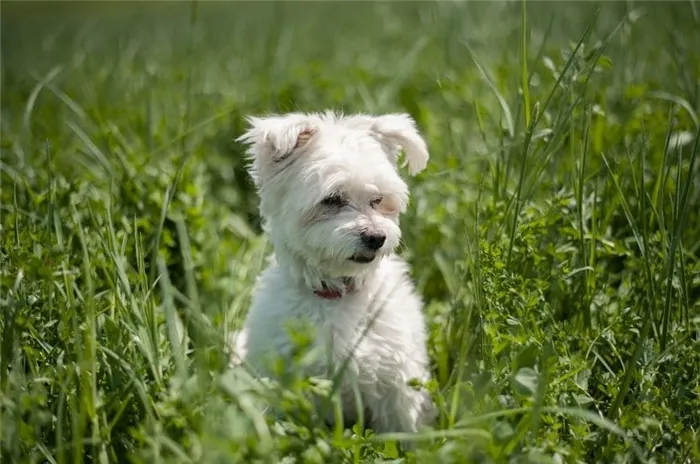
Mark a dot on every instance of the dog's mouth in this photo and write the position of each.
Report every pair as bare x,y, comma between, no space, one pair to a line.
363,258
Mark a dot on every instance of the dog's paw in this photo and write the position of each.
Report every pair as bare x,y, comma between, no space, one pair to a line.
236,347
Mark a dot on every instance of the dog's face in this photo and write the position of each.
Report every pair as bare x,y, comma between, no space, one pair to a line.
329,188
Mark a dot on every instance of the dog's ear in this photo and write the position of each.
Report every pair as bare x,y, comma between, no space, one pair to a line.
399,131
272,140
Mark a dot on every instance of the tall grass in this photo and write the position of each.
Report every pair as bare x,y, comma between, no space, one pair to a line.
554,235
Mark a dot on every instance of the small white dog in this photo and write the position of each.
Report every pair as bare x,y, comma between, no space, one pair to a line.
331,199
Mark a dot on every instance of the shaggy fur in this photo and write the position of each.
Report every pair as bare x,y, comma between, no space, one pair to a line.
331,199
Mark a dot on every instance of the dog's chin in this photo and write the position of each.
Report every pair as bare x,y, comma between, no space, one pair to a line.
363,258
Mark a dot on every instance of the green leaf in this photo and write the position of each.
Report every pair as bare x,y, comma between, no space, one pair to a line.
525,381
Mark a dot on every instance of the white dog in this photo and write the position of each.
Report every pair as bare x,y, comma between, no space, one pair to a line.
330,199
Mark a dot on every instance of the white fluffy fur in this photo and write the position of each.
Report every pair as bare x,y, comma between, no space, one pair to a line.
297,161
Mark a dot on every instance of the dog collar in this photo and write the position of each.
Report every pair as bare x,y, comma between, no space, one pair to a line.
332,293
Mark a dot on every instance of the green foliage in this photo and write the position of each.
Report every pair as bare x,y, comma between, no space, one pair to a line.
555,234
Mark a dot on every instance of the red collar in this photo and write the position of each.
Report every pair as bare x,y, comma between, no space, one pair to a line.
332,293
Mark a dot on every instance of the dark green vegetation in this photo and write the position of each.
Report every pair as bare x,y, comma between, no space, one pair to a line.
555,234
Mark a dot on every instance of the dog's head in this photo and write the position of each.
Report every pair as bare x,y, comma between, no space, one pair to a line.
329,187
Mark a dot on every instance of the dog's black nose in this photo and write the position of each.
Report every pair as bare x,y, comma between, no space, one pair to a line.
373,241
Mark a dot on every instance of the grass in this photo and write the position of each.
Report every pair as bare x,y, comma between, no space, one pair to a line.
555,235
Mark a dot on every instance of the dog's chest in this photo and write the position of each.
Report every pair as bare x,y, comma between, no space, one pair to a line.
340,321
351,326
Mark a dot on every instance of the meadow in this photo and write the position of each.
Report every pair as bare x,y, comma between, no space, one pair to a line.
555,234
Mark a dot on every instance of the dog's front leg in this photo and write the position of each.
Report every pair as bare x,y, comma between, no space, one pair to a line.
401,408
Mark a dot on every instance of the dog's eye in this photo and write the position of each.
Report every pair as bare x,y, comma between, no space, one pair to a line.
334,201
376,201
